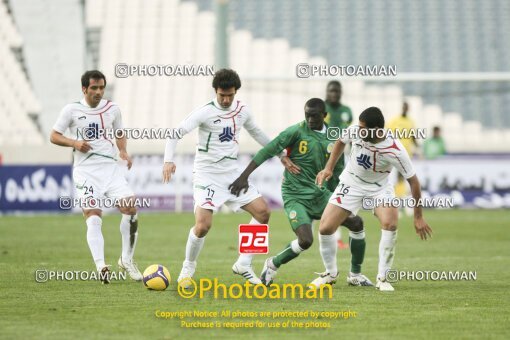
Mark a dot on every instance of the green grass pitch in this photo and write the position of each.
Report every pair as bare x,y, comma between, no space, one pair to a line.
463,240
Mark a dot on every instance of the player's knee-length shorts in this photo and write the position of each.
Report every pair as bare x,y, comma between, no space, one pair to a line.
352,198
100,181
301,212
210,191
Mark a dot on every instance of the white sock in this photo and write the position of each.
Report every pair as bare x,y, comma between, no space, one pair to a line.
95,240
294,245
328,249
386,251
338,233
193,247
129,233
246,259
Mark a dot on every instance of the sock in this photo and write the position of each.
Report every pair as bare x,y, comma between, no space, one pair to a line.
129,233
95,240
386,251
328,252
357,245
246,259
338,234
193,246
289,253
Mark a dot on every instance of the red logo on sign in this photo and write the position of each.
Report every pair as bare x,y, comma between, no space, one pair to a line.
253,239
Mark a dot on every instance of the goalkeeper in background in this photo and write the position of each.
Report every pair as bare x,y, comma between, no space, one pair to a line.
404,123
340,116
304,201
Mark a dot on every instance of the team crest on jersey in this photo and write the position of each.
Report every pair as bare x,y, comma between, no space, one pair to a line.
292,214
226,135
92,131
364,161
344,116
330,147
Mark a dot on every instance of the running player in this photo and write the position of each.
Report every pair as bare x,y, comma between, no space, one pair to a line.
364,182
219,122
308,147
96,173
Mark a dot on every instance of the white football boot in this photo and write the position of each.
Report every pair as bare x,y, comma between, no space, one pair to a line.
324,279
131,268
186,275
383,285
358,280
246,272
268,272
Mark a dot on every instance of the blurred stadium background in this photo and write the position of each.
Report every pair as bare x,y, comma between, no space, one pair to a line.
452,58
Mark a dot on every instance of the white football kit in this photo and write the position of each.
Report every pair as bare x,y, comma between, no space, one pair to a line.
215,166
96,173
366,173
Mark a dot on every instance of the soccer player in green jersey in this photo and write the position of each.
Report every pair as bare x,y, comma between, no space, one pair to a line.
339,116
304,201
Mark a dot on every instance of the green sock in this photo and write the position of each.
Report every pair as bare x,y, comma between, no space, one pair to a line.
357,247
284,256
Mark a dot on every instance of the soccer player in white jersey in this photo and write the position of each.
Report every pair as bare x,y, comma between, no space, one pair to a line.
364,181
96,173
219,123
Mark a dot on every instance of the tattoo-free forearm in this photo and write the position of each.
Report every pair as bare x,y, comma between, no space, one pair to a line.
416,193
121,143
61,140
338,149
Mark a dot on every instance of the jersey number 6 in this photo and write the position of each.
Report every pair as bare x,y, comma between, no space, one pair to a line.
303,147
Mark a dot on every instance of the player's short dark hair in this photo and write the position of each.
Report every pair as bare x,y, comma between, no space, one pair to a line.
92,74
316,103
335,83
225,79
372,117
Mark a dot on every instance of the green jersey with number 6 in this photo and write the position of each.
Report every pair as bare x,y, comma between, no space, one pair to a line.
308,149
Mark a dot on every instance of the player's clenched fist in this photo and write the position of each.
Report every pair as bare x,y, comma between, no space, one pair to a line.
168,171
322,176
82,146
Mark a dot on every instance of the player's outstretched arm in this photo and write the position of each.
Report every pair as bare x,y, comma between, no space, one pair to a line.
241,183
186,126
326,174
59,139
421,226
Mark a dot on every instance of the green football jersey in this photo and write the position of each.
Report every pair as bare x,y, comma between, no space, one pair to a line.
309,150
341,117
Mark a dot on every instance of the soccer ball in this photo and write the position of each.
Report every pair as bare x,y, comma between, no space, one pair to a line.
156,277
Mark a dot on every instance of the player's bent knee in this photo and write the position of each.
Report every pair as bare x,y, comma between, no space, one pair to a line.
92,212
264,215
354,223
388,226
305,242
201,229
128,210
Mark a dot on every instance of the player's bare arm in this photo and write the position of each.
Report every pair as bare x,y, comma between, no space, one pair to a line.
421,226
59,139
123,154
242,181
168,171
326,174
